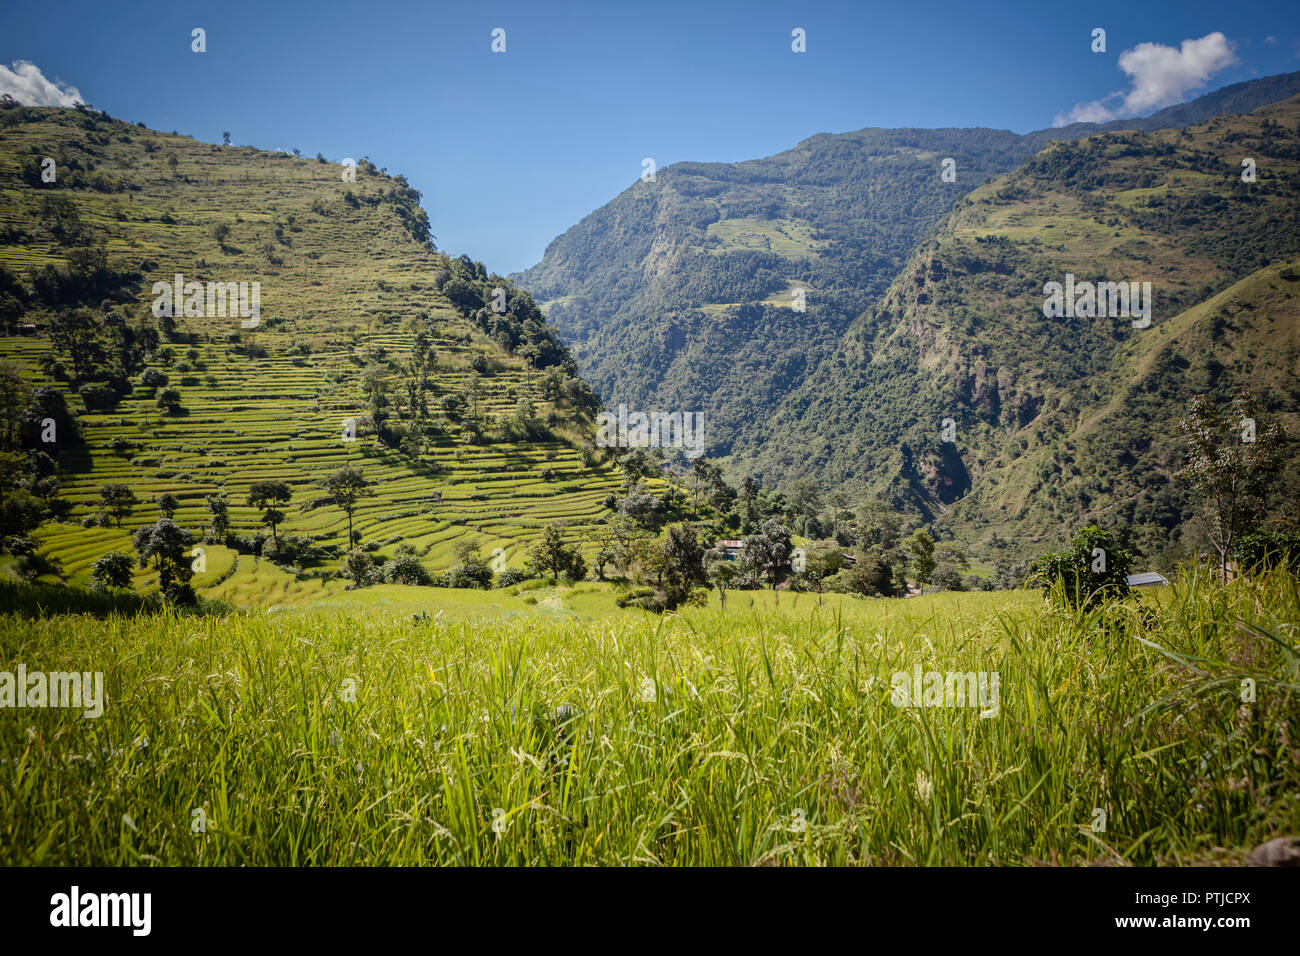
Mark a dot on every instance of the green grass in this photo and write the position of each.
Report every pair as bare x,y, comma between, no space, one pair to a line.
762,717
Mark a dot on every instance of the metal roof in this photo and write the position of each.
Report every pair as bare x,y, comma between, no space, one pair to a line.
1146,577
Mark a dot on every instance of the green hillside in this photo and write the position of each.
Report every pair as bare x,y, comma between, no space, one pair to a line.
1062,420
349,277
678,293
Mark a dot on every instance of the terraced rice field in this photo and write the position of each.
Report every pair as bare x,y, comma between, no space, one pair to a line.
343,286
268,419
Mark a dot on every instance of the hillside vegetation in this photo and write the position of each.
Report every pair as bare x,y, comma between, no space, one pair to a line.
1064,420
449,397
679,293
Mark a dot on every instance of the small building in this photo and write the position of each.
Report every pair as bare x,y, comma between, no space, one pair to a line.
1146,579
731,546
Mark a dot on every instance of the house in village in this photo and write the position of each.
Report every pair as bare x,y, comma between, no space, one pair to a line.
1145,579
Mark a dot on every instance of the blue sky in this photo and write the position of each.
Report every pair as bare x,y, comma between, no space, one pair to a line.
511,149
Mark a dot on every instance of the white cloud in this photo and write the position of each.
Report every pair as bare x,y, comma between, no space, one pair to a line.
1094,112
1159,76
27,84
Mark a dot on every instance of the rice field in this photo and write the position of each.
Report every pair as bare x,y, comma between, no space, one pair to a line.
344,288
567,732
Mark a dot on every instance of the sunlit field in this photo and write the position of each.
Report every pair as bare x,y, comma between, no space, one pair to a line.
566,731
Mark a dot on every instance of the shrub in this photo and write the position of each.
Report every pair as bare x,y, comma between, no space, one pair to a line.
1261,550
359,568
1092,570
406,569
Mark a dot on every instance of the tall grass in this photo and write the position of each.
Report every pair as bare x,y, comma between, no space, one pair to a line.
754,736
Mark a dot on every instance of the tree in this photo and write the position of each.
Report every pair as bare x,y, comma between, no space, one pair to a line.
221,232
225,139
48,403
14,396
721,571
1231,464
682,565
169,400
552,553
871,575
346,486
75,333
267,495
119,501
42,481
1261,550
749,492
1092,570
112,570
640,506
470,571
767,553
20,510
219,512
167,544
407,569
921,548
947,576
804,501
167,504
358,566
374,390
821,561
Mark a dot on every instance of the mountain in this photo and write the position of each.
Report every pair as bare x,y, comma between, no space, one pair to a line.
679,293
1062,420
484,442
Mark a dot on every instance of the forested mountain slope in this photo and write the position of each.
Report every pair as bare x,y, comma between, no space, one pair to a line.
680,293
1060,420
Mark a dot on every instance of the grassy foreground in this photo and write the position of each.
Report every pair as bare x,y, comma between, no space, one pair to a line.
758,735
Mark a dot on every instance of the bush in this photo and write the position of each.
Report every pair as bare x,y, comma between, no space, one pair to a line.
32,566
169,400
1264,550
870,576
510,577
291,550
19,544
100,396
467,576
406,569
947,577
646,598
100,519
1093,570
359,568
